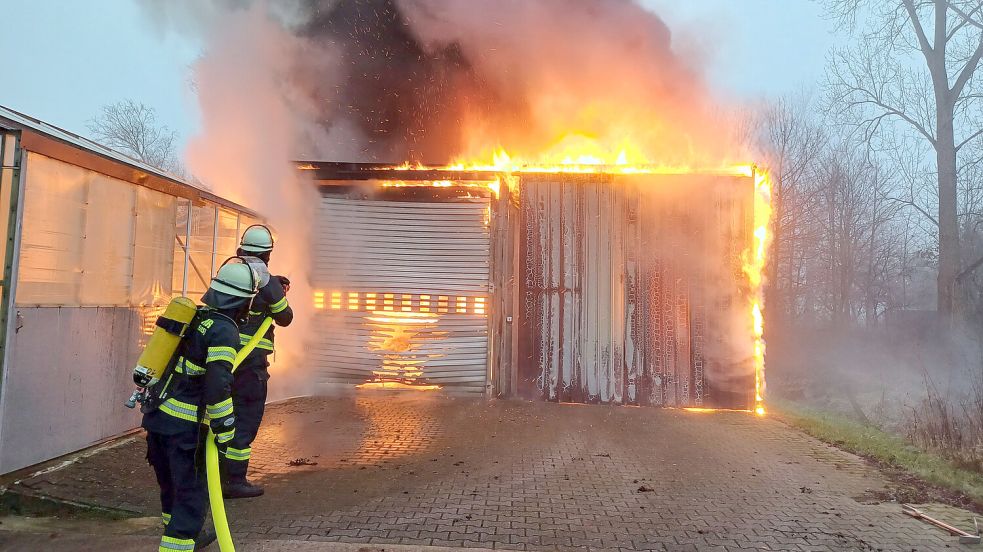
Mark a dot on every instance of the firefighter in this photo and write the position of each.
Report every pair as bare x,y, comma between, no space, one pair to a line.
198,391
249,388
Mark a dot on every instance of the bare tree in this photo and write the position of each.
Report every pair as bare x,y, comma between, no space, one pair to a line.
858,251
915,67
132,128
793,142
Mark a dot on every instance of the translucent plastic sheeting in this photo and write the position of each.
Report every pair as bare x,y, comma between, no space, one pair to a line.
92,240
107,241
209,245
153,261
8,152
54,218
180,235
201,244
228,236
245,221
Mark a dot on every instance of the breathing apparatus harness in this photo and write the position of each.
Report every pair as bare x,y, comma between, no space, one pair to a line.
156,367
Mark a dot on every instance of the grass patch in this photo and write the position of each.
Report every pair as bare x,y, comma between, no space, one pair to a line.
881,447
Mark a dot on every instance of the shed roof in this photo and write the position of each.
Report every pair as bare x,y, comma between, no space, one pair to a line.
58,143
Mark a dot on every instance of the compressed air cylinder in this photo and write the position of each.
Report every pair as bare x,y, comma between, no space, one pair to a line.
164,342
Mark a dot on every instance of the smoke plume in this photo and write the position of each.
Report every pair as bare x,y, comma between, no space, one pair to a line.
433,81
438,80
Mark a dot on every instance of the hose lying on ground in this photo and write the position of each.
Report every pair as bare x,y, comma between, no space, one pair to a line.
211,456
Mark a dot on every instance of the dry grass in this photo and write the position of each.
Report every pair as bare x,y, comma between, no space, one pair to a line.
951,427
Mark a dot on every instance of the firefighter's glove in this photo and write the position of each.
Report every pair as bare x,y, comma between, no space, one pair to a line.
285,282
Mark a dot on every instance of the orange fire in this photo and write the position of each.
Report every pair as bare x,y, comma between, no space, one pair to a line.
385,384
701,410
577,154
397,336
754,266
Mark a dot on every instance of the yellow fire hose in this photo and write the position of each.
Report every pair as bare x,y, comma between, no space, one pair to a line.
211,457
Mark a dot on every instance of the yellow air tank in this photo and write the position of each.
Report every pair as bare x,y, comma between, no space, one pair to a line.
160,349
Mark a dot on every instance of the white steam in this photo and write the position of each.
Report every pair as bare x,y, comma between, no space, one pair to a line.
252,125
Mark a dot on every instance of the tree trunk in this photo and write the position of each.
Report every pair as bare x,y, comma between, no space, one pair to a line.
945,154
949,262
870,298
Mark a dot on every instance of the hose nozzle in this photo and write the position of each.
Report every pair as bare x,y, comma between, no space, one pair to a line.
132,401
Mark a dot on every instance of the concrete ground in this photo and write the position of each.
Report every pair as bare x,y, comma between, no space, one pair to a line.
424,470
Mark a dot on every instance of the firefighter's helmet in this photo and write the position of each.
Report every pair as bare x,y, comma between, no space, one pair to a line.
236,279
256,239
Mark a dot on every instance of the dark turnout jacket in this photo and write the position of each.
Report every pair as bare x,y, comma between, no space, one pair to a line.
270,301
199,390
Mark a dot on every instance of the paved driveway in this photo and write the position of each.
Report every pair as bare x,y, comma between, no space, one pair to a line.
425,469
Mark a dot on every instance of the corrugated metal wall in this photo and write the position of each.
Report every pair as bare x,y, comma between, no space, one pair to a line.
632,290
402,292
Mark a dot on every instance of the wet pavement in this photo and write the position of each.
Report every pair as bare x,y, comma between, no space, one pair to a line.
429,470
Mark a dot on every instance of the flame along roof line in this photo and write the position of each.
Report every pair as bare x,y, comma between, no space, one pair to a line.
342,171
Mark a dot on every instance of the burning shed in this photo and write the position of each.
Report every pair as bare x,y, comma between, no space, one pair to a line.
573,283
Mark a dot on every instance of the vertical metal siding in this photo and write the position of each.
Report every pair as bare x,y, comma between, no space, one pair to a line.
416,253
630,289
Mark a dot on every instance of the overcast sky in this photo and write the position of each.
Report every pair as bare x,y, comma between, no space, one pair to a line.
64,59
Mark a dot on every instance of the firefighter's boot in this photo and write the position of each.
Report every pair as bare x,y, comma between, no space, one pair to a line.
241,488
206,537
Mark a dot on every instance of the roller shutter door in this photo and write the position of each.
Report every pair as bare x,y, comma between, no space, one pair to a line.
401,293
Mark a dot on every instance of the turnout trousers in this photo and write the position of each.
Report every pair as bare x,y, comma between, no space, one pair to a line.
249,404
183,492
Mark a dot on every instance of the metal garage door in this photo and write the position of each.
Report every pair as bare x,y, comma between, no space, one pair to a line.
401,293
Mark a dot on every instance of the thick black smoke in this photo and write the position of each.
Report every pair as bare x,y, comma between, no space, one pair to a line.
408,101
435,80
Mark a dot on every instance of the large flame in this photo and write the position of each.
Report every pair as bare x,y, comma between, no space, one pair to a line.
575,153
754,266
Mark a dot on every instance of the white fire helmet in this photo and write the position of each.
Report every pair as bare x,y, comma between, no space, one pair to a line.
236,279
257,239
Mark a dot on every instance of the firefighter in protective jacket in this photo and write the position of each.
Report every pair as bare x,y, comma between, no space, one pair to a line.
197,391
249,389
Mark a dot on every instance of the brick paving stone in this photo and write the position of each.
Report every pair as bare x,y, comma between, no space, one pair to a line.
433,470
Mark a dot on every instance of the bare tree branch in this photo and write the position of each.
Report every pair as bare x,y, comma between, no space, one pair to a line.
969,69
919,30
970,269
876,83
969,139
966,17
132,128
911,203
